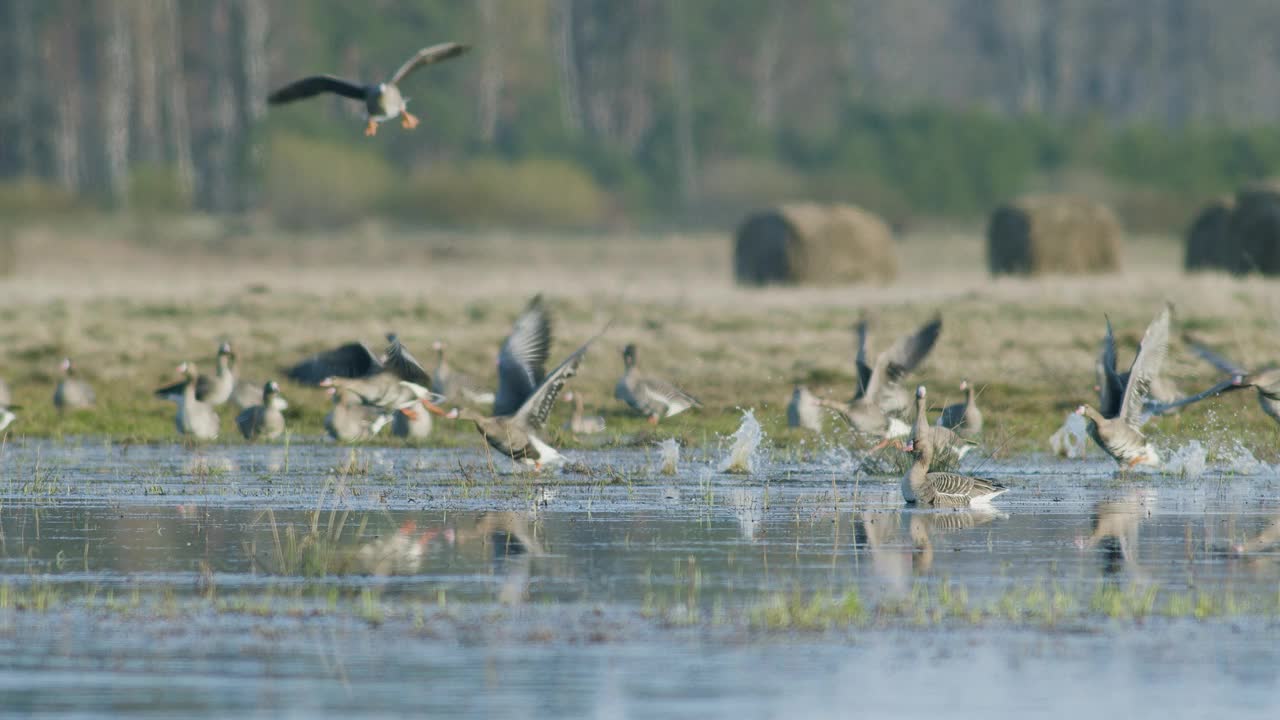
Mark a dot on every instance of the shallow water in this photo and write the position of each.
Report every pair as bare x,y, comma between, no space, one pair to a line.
318,581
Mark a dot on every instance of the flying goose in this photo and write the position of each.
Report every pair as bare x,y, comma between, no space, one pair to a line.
1266,381
1121,436
526,393
581,423
399,387
382,101
965,418
1111,384
804,410
453,384
215,390
906,354
647,394
195,418
864,413
265,420
72,393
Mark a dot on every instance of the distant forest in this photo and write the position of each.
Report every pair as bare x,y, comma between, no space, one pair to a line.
640,112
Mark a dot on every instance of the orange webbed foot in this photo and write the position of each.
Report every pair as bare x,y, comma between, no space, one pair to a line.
371,128
407,120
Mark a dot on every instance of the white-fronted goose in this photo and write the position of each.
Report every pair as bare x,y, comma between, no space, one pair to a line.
580,423
351,419
904,356
804,410
454,384
214,390
194,418
1121,436
72,392
400,386
1266,380
265,420
964,418
382,101
947,445
648,395
864,414
942,489
526,393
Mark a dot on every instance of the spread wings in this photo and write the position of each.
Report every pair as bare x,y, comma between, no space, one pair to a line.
427,56
316,85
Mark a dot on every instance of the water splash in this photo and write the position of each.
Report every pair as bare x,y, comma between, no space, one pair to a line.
1072,439
742,458
669,457
1238,460
1188,461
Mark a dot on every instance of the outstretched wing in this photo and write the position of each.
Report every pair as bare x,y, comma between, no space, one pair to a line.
523,358
1145,369
1236,382
353,360
315,85
909,352
860,359
535,410
1212,357
427,56
404,365
1110,385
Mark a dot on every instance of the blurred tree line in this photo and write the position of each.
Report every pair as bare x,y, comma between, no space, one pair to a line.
583,112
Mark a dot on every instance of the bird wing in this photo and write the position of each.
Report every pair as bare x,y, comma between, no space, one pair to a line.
860,359
315,85
523,359
955,486
1212,357
1145,369
404,365
1160,408
1110,385
907,353
204,384
538,406
427,56
353,360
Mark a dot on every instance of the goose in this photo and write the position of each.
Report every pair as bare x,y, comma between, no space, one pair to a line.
265,420
907,354
215,390
6,414
920,486
351,419
400,386
1265,381
804,410
454,384
949,448
194,418
526,393
1111,384
382,101
1121,436
964,418
649,395
580,423
72,393
864,413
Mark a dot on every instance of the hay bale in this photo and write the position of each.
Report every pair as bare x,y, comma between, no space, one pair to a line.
1209,245
1040,234
1253,232
806,243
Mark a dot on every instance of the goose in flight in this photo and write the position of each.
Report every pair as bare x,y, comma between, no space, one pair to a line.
382,101
906,354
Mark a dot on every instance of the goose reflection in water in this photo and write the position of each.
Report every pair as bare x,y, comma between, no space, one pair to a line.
895,562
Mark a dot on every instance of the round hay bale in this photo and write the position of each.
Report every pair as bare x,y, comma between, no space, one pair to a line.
1253,232
1209,245
806,243
1040,234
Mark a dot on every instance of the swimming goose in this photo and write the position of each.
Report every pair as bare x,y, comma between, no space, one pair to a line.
580,423
945,489
382,101
526,393
1266,381
351,419
905,355
804,410
649,395
195,418
265,420
864,414
72,393
965,418
454,384
215,390
1121,436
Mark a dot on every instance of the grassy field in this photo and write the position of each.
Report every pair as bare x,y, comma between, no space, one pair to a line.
129,302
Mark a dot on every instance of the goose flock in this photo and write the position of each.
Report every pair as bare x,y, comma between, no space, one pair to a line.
371,391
